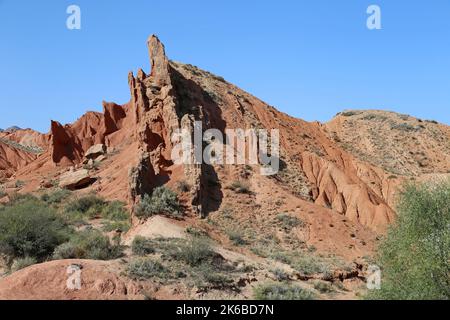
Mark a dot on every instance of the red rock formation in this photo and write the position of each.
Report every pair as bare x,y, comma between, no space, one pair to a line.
171,97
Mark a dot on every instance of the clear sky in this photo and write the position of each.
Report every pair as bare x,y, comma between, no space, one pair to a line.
310,59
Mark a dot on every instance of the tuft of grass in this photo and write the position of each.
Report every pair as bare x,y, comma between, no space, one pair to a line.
146,268
349,113
323,287
142,246
239,187
183,186
19,184
2,192
207,276
288,222
280,275
236,238
196,251
282,291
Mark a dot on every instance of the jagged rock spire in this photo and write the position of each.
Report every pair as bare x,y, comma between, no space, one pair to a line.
158,60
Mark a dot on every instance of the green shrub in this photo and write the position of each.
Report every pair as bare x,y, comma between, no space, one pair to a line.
88,244
162,201
55,197
89,205
208,276
121,226
17,198
289,222
404,127
2,192
281,291
240,187
115,211
280,275
22,263
183,186
145,268
142,246
19,184
236,238
310,264
29,228
196,251
303,262
195,232
323,287
349,113
415,255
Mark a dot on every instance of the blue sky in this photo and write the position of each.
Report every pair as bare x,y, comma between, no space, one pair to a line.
310,59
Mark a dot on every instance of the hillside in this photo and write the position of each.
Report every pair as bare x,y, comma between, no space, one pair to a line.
398,143
319,219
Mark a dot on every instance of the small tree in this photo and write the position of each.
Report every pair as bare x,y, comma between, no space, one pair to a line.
415,255
30,228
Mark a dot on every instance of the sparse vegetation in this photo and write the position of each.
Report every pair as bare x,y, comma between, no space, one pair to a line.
2,192
90,206
14,144
162,201
146,268
373,116
183,186
19,184
416,253
88,244
56,196
282,291
240,187
280,275
349,113
195,232
236,237
306,263
207,276
288,222
323,287
194,252
115,211
142,246
404,127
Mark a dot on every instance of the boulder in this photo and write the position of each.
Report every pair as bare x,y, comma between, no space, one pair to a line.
75,179
95,151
